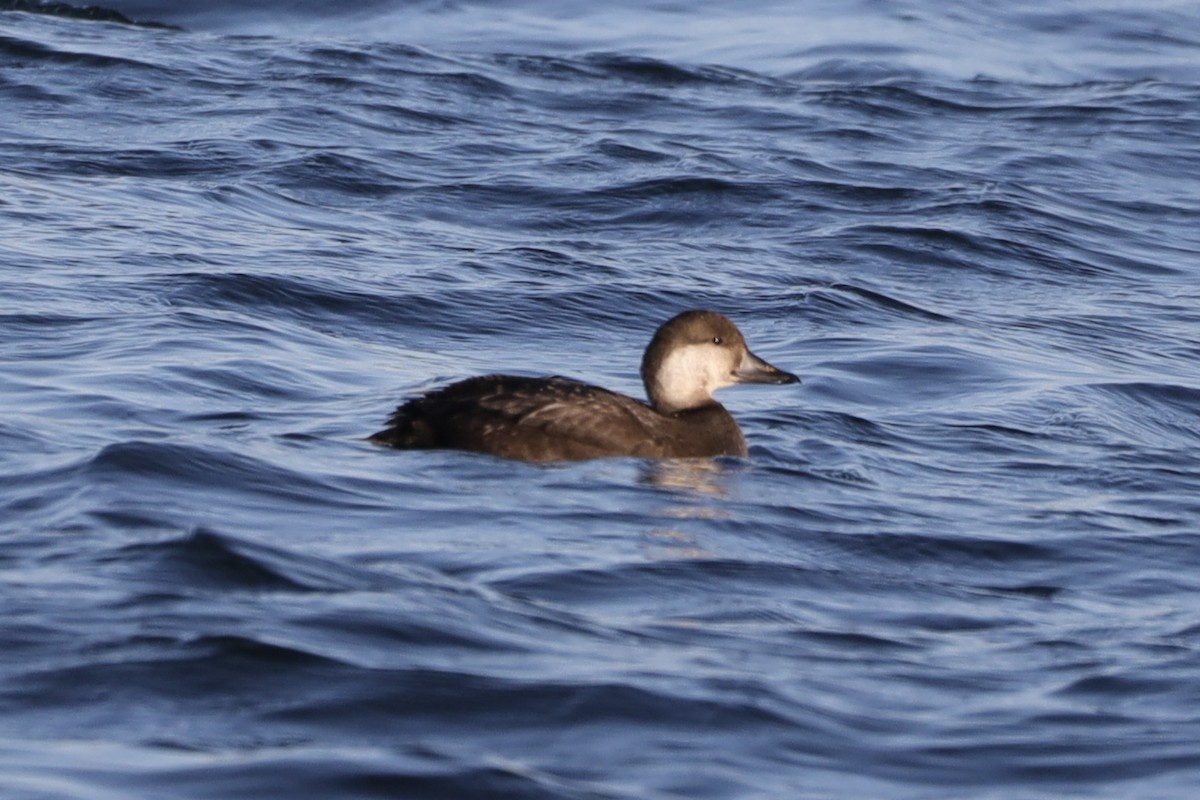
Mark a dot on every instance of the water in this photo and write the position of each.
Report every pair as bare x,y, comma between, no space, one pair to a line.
961,562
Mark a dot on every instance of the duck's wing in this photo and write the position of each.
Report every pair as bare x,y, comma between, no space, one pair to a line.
533,419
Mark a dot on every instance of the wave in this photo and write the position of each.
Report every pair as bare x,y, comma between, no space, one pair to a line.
85,12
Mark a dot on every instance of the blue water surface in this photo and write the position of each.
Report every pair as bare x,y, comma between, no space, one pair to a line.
962,561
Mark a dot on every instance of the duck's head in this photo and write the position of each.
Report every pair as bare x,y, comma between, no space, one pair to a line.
694,354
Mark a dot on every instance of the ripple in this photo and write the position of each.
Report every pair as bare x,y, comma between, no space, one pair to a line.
233,248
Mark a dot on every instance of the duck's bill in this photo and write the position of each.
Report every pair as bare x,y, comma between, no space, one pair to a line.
754,370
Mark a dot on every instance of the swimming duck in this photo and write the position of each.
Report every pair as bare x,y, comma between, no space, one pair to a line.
560,419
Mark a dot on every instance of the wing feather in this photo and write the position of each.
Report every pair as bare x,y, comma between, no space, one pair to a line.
535,419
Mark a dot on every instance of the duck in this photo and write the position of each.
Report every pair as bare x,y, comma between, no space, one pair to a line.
555,418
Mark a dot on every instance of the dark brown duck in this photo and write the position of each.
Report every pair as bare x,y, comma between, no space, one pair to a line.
559,419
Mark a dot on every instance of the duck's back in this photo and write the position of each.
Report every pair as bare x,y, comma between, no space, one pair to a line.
555,419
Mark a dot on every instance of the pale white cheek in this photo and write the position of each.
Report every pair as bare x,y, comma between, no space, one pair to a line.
692,373
719,372
676,370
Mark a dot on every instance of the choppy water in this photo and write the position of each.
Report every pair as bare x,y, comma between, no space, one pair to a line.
963,561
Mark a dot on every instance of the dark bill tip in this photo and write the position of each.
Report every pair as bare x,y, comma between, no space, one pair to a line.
754,370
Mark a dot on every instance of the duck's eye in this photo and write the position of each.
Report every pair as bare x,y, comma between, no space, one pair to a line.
716,340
